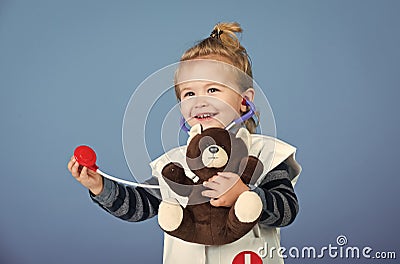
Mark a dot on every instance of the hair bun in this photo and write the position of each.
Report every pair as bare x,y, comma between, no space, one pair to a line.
226,32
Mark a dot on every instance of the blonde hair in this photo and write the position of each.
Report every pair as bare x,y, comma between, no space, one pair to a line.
224,42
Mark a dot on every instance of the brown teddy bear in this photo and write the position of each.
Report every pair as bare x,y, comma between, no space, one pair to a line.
208,152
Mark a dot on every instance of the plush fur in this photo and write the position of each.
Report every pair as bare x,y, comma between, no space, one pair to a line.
210,151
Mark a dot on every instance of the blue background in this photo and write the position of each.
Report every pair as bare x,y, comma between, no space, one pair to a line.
330,70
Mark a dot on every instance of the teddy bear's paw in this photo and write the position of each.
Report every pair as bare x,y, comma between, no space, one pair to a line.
170,215
248,207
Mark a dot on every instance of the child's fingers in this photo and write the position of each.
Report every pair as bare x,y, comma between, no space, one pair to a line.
210,193
217,202
213,178
70,164
211,185
227,178
220,180
91,173
74,170
95,176
227,174
84,174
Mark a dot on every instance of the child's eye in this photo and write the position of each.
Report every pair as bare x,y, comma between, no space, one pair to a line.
213,90
188,94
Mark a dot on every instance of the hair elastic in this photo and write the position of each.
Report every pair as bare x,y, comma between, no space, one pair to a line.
216,33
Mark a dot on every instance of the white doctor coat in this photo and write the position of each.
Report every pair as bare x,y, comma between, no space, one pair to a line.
271,152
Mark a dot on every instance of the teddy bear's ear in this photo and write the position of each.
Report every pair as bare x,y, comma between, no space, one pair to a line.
195,130
244,134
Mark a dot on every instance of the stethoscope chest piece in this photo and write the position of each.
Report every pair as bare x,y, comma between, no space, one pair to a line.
86,156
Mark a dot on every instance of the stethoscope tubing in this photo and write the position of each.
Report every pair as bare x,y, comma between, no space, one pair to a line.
125,182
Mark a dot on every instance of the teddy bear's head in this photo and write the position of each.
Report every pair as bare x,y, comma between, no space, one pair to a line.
215,149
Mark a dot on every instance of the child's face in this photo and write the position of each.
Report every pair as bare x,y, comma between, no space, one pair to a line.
208,103
210,95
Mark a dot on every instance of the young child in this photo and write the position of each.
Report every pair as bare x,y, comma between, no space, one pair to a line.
200,103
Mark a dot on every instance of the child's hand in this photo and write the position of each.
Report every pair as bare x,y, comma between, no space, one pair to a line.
88,178
226,186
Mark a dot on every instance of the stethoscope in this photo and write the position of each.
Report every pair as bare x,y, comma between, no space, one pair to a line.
86,156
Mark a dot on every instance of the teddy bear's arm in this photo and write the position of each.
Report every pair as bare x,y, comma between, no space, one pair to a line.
250,168
174,172
178,180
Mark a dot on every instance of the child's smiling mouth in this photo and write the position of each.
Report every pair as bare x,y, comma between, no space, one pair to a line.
204,116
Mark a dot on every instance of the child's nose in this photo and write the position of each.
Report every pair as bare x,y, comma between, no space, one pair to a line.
200,105
200,102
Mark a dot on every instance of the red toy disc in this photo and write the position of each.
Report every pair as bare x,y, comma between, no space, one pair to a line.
86,156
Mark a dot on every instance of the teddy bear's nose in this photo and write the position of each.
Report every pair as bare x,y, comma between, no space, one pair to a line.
213,150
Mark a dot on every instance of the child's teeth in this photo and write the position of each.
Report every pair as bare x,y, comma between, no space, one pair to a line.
201,116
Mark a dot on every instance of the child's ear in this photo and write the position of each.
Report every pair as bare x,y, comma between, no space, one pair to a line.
249,95
244,135
195,130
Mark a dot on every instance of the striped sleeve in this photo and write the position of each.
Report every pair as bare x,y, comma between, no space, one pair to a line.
126,202
280,205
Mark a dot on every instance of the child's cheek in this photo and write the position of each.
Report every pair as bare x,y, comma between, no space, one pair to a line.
185,108
227,111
